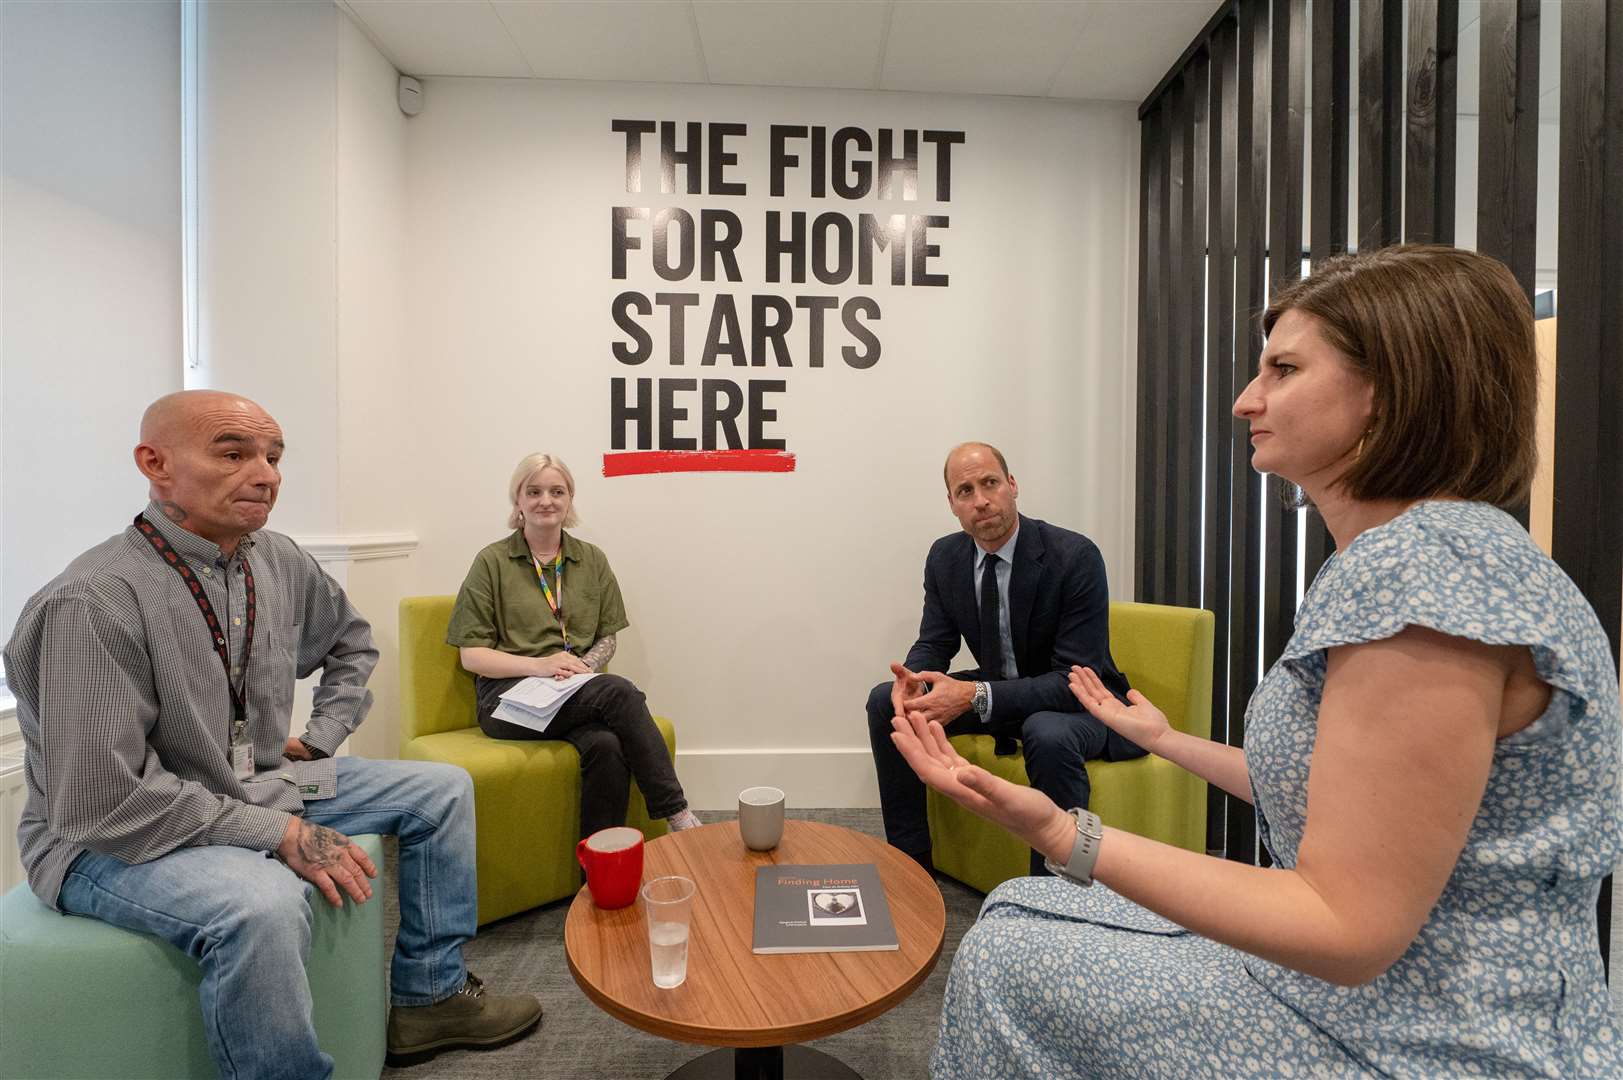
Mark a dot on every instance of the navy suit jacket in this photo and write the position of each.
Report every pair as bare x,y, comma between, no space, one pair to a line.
1059,615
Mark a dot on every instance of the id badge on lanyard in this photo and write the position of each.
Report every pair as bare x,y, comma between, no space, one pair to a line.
241,749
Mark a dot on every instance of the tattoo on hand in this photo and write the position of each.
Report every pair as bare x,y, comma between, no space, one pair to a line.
320,846
172,511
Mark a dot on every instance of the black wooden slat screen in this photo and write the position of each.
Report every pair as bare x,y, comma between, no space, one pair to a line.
1428,167
1149,135
1507,166
1587,528
1218,575
1380,132
1332,85
1289,104
1223,139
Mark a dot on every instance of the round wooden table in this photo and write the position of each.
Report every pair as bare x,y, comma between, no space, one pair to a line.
759,1005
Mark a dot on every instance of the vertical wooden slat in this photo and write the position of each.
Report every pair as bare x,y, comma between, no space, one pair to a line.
1288,85
1163,340
1220,389
1380,113
1507,158
1191,362
1587,526
1250,224
1148,191
1507,145
1175,541
1174,534
1428,204
1332,108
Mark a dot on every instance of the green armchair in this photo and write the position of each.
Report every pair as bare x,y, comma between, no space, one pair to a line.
1166,654
526,794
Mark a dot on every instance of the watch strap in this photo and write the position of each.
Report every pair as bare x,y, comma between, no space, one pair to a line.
1085,853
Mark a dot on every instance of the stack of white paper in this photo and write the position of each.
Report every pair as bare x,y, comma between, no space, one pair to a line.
533,702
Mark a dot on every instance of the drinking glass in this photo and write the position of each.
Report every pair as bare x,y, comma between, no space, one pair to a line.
669,904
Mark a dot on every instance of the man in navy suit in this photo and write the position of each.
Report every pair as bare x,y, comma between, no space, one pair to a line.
1029,599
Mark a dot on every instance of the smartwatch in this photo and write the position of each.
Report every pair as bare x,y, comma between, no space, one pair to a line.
1078,869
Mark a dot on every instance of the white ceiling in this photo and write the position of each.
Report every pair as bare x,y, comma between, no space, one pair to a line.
1098,49
1114,50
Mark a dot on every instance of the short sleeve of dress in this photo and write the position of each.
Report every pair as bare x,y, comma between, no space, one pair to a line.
1463,569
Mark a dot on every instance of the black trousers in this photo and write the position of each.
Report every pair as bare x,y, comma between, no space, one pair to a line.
1054,744
607,721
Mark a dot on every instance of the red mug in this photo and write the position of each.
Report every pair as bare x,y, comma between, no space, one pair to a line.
612,859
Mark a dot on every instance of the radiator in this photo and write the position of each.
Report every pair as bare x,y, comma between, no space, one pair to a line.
12,794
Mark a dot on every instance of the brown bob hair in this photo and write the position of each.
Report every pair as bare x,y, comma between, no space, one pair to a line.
1445,338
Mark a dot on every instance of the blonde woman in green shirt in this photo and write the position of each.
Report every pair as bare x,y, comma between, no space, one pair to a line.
543,603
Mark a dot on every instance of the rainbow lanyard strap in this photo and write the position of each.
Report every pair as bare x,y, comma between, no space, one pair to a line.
555,603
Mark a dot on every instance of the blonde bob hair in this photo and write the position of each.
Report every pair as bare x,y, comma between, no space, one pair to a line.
527,467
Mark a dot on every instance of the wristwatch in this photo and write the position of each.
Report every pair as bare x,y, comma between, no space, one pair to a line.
1079,867
983,701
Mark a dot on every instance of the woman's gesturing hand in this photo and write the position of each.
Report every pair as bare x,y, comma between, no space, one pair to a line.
1025,812
1141,721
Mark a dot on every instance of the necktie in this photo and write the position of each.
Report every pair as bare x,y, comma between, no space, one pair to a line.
991,635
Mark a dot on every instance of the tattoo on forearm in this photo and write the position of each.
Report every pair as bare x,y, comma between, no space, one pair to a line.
173,512
320,846
599,654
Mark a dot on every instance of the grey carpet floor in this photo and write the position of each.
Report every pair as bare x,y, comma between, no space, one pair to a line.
577,1040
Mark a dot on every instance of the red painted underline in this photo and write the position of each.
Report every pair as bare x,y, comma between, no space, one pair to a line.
640,462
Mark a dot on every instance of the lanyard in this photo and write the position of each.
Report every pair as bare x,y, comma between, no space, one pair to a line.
239,697
557,605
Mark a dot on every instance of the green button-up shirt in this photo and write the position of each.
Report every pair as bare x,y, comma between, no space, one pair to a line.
501,606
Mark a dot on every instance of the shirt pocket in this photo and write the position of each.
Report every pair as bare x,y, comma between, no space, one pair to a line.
274,670
583,612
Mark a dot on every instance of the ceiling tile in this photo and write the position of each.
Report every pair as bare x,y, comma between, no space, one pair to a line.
976,47
1127,46
442,37
628,41
791,43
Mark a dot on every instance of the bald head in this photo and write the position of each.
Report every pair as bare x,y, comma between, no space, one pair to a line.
212,460
172,415
964,448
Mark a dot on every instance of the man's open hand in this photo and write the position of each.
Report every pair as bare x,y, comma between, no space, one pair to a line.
326,858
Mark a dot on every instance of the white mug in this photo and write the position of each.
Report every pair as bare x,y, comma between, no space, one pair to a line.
760,817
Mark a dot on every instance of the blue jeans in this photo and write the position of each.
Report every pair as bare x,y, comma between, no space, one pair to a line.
245,917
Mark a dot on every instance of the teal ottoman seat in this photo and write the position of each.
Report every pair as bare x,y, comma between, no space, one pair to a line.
80,998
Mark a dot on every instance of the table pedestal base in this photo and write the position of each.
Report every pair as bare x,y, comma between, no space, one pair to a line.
766,1063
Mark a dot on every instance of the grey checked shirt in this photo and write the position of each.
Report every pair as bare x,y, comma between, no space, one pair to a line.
124,707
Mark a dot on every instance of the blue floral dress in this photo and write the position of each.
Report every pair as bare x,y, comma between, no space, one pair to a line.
1504,978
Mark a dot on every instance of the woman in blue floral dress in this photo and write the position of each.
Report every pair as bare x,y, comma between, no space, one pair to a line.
1434,760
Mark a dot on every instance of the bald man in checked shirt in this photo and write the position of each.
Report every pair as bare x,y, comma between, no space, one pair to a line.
154,682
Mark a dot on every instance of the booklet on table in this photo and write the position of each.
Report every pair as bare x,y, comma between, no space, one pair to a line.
830,908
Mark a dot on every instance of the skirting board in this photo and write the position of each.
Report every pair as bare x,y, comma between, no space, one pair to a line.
817,778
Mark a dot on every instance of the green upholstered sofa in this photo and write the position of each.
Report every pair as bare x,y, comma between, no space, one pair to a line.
1166,654
80,998
526,794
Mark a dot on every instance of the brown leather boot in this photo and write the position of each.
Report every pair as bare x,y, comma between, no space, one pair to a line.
469,1019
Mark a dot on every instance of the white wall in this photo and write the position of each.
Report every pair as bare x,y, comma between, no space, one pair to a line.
267,223
90,312
764,607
